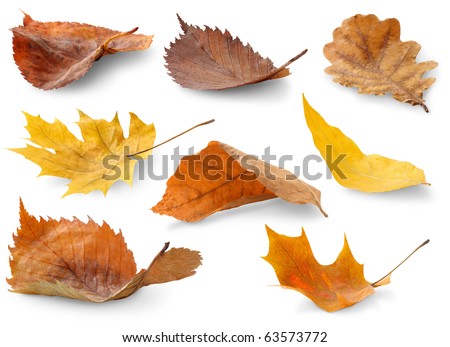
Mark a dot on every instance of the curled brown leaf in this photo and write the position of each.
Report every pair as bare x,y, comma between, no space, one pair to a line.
221,177
53,54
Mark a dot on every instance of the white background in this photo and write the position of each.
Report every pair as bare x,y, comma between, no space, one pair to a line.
235,290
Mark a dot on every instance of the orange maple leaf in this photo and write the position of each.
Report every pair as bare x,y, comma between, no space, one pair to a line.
331,287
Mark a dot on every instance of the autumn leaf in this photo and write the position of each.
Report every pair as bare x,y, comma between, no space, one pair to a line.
86,261
93,164
352,168
53,54
221,177
211,59
331,287
368,54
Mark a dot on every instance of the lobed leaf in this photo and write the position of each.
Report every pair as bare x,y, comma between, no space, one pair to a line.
368,54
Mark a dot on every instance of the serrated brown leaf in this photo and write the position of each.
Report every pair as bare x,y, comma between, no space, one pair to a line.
331,287
53,54
210,59
221,177
368,54
86,261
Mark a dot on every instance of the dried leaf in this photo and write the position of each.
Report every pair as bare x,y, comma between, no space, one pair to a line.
352,168
221,177
53,54
86,261
331,287
95,163
211,59
368,54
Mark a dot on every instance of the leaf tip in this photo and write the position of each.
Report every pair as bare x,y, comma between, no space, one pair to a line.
346,245
183,24
303,234
26,18
269,230
82,114
67,193
305,101
21,205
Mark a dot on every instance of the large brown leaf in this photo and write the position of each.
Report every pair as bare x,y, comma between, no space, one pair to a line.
368,54
86,261
221,177
331,287
53,54
211,59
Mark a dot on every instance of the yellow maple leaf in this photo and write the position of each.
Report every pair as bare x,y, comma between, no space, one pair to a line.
352,168
93,164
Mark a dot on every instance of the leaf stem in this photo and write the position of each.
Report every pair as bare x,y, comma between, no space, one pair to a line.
374,284
301,54
105,47
172,138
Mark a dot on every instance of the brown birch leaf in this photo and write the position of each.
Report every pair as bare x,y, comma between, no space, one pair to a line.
221,177
86,261
331,287
53,54
368,54
212,59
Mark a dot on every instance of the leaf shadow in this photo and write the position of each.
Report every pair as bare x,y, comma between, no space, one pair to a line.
152,295
274,207
420,193
96,76
266,91
371,303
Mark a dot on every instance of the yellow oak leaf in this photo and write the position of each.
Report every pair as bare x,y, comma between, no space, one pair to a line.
352,168
93,164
